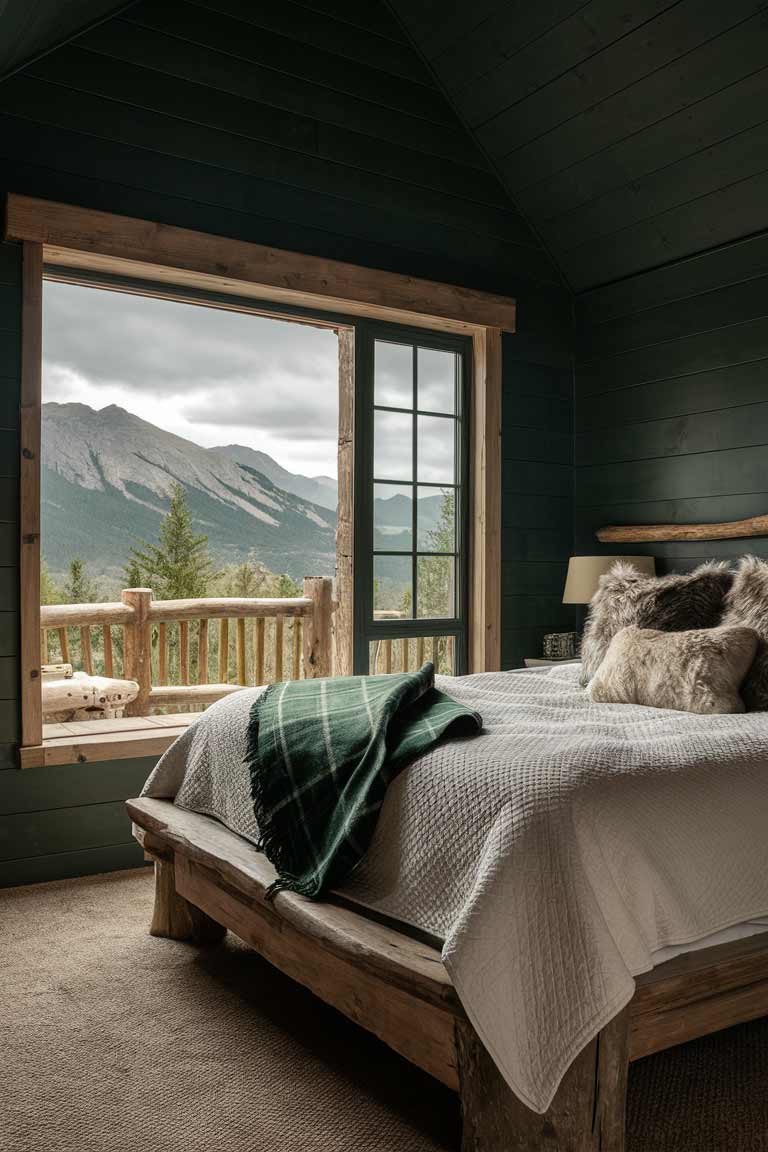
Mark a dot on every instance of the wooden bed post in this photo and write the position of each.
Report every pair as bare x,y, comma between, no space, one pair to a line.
174,917
586,1115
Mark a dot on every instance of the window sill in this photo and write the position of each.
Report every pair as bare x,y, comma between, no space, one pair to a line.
86,741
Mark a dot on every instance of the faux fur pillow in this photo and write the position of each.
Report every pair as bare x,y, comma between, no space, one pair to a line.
697,671
671,603
747,604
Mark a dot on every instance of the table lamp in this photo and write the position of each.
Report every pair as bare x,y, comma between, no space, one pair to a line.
584,574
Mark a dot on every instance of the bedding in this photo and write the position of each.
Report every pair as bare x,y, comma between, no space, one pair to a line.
698,671
676,602
747,604
555,854
321,754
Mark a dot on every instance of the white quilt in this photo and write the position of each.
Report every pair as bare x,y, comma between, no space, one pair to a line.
554,853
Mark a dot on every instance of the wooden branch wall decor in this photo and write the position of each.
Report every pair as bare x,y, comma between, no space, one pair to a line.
649,533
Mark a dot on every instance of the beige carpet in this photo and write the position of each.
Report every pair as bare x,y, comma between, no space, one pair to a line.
113,1040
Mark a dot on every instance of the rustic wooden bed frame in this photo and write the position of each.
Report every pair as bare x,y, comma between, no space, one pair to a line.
209,879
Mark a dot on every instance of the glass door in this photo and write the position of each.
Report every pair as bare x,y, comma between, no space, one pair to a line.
411,492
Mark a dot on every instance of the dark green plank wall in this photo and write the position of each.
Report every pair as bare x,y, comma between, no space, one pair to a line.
537,504
671,412
309,126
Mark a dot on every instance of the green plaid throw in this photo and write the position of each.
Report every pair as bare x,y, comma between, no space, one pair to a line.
321,754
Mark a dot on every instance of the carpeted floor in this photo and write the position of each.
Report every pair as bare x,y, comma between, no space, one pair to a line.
114,1041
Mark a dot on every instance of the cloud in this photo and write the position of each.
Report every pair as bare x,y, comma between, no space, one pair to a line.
164,347
288,407
209,375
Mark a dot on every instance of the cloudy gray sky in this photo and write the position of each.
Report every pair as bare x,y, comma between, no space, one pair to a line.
211,376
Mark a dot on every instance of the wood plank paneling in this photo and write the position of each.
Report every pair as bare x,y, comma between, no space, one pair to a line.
320,31
727,162
299,135
260,85
718,431
675,428
63,865
704,351
25,834
537,510
548,63
486,44
629,136
649,44
735,209
290,58
29,30
675,111
47,789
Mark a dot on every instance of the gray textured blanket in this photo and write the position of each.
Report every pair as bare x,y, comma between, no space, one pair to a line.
554,853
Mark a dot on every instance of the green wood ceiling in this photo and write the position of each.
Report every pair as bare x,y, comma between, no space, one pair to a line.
629,134
27,28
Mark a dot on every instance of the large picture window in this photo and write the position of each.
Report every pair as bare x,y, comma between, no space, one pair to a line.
411,502
417,552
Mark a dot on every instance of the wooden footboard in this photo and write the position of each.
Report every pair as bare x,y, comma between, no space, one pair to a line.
209,879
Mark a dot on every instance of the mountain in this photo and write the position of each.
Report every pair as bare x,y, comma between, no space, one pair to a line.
322,490
393,525
107,477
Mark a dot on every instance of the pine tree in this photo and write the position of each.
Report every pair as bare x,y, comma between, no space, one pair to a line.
133,575
50,593
179,566
79,588
286,586
435,573
241,580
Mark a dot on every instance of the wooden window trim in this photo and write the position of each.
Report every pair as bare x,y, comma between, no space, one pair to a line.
88,240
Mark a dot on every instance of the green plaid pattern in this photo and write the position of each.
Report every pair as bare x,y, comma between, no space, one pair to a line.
321,754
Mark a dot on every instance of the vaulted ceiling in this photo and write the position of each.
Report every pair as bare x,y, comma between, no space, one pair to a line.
30,27
629,133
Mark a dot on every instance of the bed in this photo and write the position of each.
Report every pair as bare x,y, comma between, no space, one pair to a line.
578,886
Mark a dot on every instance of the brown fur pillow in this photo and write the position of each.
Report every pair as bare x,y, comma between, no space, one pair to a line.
747,604
697,671
674,603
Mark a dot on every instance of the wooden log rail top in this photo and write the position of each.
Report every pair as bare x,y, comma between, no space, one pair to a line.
228,608
167,611
83,615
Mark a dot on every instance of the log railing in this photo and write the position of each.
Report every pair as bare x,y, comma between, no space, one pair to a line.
191,652
408,654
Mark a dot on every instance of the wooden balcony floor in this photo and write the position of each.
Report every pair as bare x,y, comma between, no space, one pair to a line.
80,741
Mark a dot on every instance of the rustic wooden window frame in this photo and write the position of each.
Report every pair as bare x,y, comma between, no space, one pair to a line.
101,242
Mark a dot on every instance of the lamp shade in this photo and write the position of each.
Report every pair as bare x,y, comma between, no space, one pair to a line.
584,574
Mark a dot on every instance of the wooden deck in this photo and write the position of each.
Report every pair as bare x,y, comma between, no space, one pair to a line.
83,741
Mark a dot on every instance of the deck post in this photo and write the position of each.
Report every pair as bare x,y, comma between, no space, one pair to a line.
318,659
586,1115
137,652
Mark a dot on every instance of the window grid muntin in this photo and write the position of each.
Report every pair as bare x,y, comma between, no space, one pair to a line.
367,627
415,483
